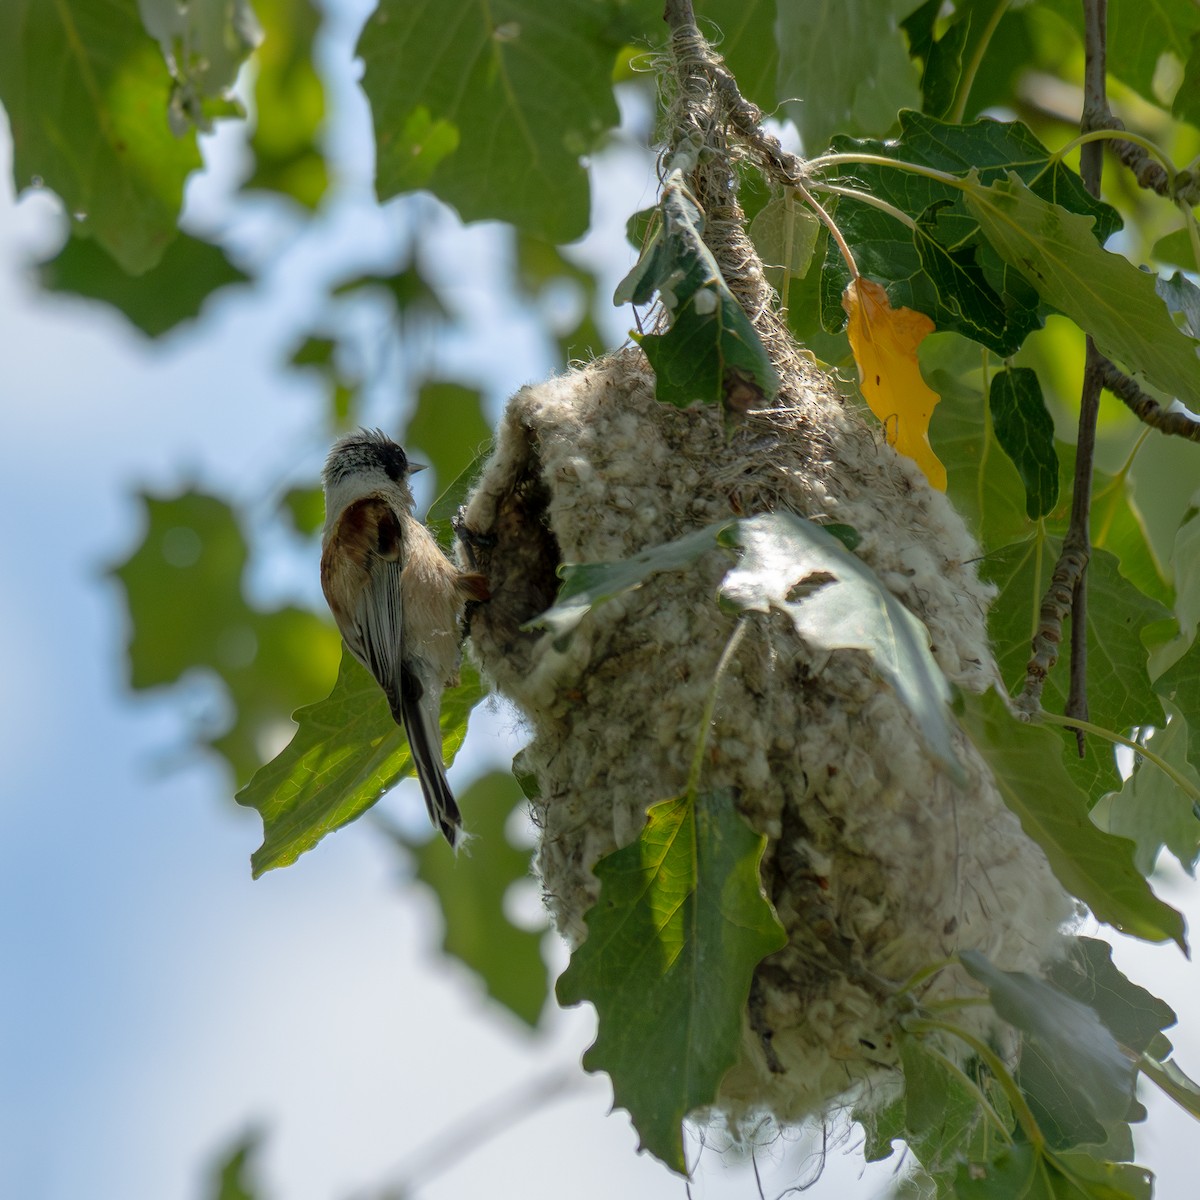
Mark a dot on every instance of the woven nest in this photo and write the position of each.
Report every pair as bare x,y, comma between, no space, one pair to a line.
876,863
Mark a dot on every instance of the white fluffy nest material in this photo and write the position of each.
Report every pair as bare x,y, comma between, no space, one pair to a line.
876,863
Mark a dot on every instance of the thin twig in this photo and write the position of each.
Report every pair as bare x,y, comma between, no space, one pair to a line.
1067,594
1145,407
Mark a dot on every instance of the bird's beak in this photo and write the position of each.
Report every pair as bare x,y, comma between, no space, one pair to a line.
413,467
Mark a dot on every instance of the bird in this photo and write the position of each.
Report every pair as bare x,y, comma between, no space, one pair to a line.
396,598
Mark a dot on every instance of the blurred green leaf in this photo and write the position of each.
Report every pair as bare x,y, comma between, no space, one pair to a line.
441,514
1026,761
289,104
235,1175
314,352
672,944
87,95
1101,292
204,45
410,289
1177,249
834,600
826,88
744,34
471,888
1025,431
447,428
306,508
183,586
1120,697
169,293
500,102
1025,1172
346,753
1186,105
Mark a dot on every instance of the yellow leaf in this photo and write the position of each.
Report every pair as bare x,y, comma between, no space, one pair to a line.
885,341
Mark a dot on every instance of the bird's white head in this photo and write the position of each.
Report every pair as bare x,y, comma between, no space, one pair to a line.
366,463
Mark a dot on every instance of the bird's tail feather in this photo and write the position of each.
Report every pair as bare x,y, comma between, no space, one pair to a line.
425,742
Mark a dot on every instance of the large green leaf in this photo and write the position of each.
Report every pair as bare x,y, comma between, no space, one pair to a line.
471,890
183,585
1069,1037
1102,293
944,267
834,600
491,106
1119,693
672,944
1134,1016
1026,761
87,94
157,301
345,755
830,89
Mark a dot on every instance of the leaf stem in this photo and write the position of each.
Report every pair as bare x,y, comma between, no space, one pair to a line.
967,79
994,1063
1176,777
710,705
873,201
881,160
1100,135
981,1097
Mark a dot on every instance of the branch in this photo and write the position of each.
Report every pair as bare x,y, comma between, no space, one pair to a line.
1067,594
1145,407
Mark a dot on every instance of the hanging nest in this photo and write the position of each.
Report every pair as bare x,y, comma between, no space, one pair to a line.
877,864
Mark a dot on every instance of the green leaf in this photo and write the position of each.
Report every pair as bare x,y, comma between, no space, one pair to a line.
1069,1036
1172,1080
171,292
412,293
784,233
471,890
448,428
1120,696
345,755
501,101
204,45
672,944
940,1111
1144,34
945,267
745,36
941,58
712,352
834,600
441,514
1182,298
289,104
827,88
1181,686
1026,762
882,1127
1186,105
1102,293
1025,431
305,506
1177,249
1024,1172
234,1176
1152,810
1134,1016
588,585
183,586
98,133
